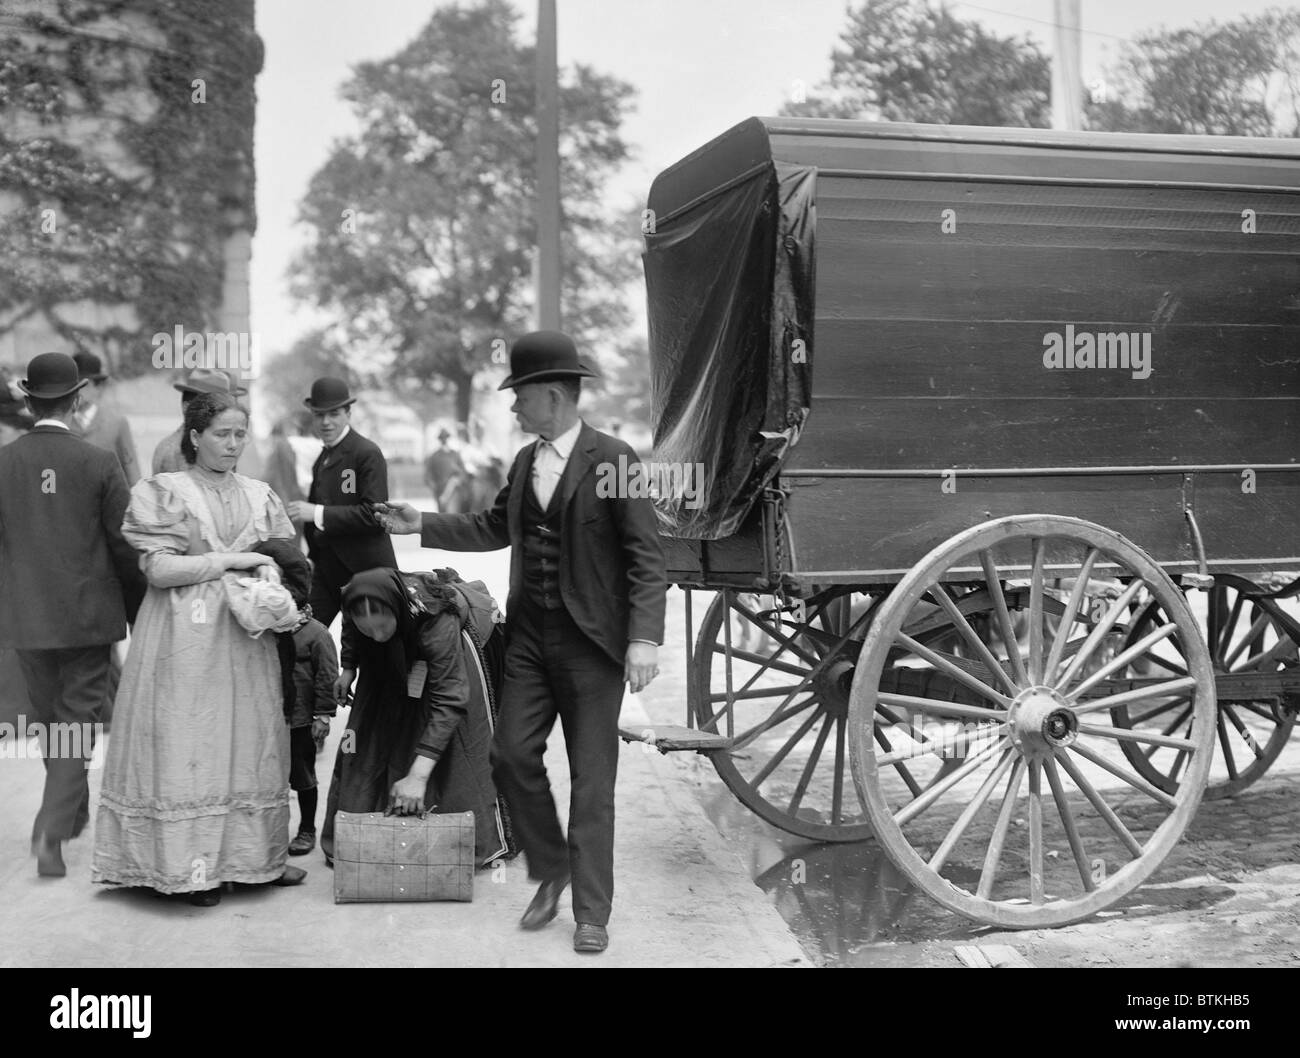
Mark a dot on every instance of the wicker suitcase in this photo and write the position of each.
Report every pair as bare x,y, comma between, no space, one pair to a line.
383,858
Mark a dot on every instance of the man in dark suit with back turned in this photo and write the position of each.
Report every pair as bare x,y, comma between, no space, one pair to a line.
69,583
343,537
585,614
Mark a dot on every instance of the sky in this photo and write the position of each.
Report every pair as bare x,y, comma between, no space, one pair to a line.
699,67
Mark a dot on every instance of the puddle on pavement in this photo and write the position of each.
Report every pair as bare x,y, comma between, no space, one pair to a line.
847,902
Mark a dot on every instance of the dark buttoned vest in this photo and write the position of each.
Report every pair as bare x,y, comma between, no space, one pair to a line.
541,564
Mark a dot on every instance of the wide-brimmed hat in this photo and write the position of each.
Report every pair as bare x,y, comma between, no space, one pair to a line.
540,356
90,367
51,376
209,380
328,394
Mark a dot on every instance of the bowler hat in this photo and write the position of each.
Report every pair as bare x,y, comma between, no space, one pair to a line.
51,376
540,356
90,367
328,394
209,380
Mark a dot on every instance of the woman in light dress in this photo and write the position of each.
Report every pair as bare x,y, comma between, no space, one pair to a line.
195,790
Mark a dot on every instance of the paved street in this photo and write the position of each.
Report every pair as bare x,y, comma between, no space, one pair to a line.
684,897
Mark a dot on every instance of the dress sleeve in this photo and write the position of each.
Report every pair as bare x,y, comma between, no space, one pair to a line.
157,524
446,687
272,521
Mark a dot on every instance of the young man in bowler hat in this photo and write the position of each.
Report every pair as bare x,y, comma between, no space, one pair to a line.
70,585
343,537
585,615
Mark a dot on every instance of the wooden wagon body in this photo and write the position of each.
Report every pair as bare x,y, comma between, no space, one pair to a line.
957,405
928,271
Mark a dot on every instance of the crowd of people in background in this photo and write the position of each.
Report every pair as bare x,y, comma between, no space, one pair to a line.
231,678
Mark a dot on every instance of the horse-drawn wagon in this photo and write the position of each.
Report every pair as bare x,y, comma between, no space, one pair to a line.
966,402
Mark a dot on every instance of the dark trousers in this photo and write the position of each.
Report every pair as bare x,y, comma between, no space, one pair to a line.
552,669
65,687
328,575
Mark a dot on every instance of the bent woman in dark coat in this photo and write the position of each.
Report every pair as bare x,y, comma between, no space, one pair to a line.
421,724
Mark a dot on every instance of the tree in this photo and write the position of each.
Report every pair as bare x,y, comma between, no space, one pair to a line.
287,378
422,230
904,60
1240,78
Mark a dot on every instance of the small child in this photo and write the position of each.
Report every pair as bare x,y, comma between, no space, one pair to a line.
309,665
316,667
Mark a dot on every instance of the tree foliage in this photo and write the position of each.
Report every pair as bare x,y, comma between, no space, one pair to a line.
421,225
906,60
1239,78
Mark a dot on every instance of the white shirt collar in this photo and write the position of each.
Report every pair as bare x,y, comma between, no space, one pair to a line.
52,422
563,444
346,430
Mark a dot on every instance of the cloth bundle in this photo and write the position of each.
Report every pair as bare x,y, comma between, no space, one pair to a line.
260,605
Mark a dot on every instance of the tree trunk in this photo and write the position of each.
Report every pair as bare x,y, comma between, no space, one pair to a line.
464,401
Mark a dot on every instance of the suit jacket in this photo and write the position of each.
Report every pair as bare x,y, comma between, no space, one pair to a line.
110,430
343,479
167,457
67,577
612,572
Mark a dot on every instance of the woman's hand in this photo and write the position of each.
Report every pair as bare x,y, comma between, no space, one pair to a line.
343,685
406,798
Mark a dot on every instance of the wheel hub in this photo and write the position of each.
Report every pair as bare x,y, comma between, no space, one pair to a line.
1041,722
833,684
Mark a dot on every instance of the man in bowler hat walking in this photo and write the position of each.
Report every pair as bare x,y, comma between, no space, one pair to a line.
348,476
585,615
69,583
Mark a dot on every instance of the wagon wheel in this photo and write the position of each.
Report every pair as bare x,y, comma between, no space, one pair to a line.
1242,636
784,704
1063,852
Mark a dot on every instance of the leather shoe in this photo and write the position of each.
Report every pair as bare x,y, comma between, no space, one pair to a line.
589,937
544,903
206,897
303,843
49,857
291,876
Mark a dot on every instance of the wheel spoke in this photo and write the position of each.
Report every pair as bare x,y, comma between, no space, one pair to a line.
1036,623
777,718
1223,744
914,808
1067,821
1099,633
767,662
1035,830
1171,727
1243,731
784,751
752,695
1252,633
787,641
811,765
948,668
1122,659
1135,781
837,791
1071,614
941,708
994,853
1225,640
982,651
1154,690
968,813
900,767
1005,628
944,749
1125,734
1095,799
1136,721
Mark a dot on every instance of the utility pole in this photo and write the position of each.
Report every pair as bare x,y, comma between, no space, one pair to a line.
1067,77
548,172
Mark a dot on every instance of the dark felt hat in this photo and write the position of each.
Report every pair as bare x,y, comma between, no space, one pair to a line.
540,356
90,367
51,376
209,380
328,394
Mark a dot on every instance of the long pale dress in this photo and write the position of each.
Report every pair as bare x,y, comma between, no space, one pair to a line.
195,789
